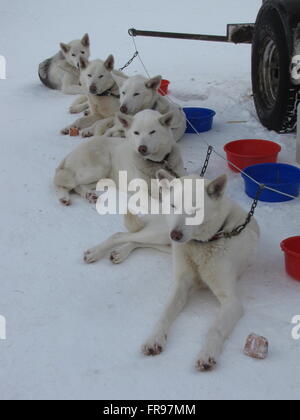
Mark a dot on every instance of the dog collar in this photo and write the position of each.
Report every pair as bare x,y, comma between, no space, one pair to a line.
154,106
219,235
108,92
165,164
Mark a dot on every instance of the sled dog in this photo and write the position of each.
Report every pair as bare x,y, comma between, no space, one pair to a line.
150,146
137,94
61,72
202,256
101,90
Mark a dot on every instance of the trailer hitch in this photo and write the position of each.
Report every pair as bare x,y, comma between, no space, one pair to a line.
236,33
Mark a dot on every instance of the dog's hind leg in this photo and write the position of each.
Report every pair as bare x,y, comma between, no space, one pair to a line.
224,288
184,281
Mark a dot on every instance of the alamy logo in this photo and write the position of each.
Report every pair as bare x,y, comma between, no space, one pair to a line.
2,67
296,329
2,328
164,197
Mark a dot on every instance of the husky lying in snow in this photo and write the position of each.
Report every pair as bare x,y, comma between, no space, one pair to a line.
62,71
101,90
150,147
201,257
137,94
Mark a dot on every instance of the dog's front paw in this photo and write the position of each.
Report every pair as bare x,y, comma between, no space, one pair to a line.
65,131
206,363
92,197
73,110
92,255
65,202
155,345
86,133
119,255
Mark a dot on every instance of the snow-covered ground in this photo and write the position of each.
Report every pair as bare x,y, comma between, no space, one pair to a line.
74,331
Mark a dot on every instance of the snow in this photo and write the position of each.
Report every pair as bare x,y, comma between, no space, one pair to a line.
75,331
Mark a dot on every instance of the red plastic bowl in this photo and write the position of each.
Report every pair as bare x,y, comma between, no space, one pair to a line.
291,248
244,153
164,87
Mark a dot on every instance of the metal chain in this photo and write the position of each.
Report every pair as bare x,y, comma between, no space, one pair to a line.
240,228
209,152
130,61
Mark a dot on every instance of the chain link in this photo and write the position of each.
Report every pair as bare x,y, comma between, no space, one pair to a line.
130,61
209,152
240,228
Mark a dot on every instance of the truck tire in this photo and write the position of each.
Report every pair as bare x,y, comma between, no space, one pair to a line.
275,97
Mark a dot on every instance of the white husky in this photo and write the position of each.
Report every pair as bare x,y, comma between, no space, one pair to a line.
202,256
101,90
138,93
150,147
62,71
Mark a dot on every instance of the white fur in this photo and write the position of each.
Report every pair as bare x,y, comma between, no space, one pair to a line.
96,78
62,71
138,93
103,157
216,265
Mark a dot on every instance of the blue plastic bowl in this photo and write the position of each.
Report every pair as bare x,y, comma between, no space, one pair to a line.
282,177
200,118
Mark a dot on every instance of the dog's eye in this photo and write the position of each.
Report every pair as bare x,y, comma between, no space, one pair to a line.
152,132
123,93
136,133
89,75
100,77
73,55
136,94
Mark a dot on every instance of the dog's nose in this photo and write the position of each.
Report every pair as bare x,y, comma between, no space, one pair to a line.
124,109
143,150
176,235
93,88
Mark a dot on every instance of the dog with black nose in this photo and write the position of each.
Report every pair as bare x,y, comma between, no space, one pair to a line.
150,146
205,254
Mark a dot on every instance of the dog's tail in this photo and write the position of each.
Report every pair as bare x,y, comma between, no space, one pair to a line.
133,223
44,73
64,178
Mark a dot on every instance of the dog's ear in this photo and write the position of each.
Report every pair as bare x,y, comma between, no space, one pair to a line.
85,40
64,47
109,63
217,187
164,178
83,62
166,119
125,120
118,79
154,83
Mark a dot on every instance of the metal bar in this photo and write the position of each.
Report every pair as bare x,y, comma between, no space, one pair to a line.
174,35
